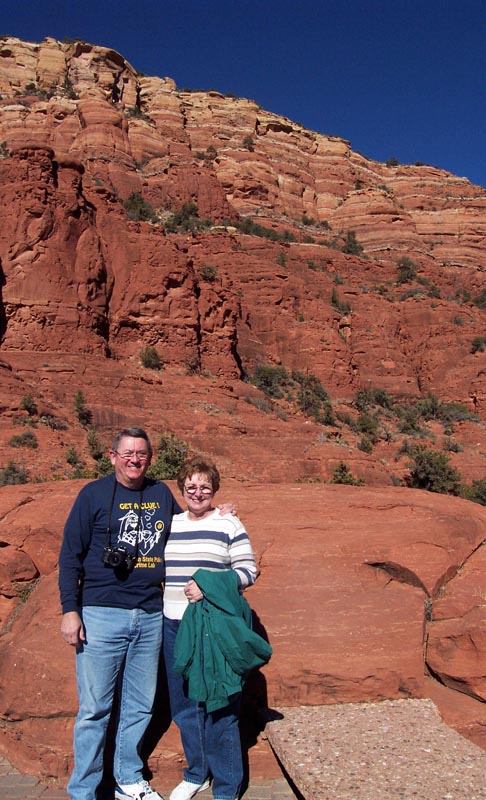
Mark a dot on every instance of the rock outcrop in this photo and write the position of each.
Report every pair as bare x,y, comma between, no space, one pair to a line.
81,131
364,594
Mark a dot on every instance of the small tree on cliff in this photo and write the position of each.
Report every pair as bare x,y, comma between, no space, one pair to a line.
172,453
430,470
351,245
342,474
83,413
139,209
150,358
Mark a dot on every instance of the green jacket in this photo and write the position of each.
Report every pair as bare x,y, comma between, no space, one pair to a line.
216,648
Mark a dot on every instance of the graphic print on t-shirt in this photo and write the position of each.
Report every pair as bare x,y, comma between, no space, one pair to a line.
149,529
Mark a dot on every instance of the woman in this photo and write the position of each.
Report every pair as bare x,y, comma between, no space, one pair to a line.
203,537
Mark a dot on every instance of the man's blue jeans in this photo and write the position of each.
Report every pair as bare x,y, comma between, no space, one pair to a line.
211,741
115,638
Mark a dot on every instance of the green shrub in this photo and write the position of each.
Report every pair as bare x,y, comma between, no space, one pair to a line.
456,412
409,421
248,143
138,209
416,292
95,447
186,220
28,404
68,89
431,408
313,399
55,423
254,229
193,365
407,270
367,424
480,299
102,467
137,113
373,397
172,453
428,407
342,474
347,419
366,445
304,389
270,380
430,470
307,220
27,439
478,344
476,492
83,413
72,458
260,403
209,273
351,245
150,358
13,474
452,446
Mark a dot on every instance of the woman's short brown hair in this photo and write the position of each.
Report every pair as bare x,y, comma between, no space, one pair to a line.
199,466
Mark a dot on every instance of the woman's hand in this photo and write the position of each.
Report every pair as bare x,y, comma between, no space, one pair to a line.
193,592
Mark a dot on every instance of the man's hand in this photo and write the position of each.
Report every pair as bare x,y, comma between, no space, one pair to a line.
72,630
228,508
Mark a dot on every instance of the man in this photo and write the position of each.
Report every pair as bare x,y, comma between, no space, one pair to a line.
111,568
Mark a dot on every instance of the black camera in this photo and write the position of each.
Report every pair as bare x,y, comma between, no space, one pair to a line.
119,557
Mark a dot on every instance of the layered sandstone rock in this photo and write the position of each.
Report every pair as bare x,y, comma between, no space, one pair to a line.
364,593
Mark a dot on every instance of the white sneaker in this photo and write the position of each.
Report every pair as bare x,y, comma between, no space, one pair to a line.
136,791
185,790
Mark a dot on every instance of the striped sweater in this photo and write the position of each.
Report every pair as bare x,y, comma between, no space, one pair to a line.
215,542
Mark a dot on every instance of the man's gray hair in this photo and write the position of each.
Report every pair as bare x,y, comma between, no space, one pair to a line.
136,433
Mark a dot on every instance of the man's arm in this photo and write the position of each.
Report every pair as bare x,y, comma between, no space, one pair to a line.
77,535
241,555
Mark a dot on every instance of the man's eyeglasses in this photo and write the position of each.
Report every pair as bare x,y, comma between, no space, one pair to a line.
207,490
142,455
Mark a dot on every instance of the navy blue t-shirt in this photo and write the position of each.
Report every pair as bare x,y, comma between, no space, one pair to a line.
84,579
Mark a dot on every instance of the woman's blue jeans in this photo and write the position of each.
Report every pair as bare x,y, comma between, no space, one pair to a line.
211,741
116,638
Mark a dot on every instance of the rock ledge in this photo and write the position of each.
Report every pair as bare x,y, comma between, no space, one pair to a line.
395,749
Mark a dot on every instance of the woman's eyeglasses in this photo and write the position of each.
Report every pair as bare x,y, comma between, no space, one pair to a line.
206,490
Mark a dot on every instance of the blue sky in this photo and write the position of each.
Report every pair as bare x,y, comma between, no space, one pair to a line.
402,78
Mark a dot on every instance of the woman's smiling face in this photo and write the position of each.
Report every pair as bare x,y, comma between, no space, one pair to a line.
198,494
